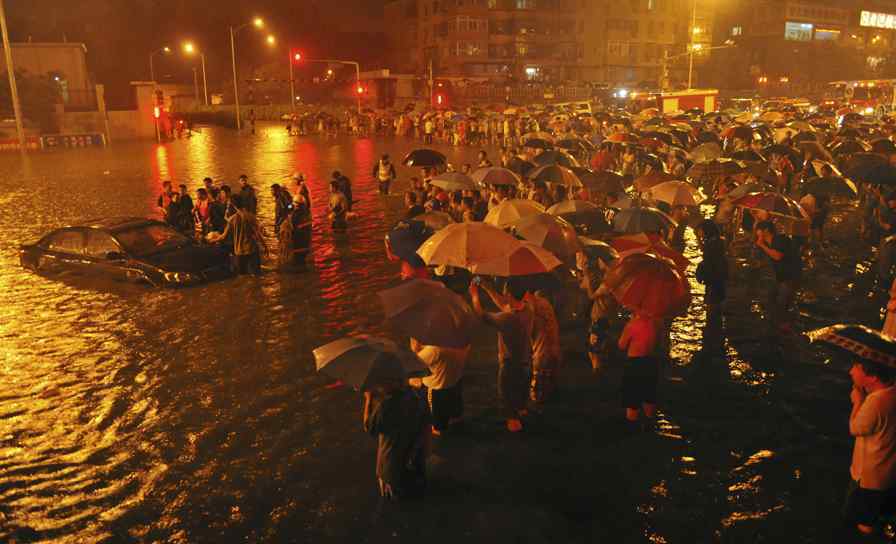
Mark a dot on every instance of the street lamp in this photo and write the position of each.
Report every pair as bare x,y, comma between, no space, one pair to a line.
152,70
190,49
257,23
272,40
358,88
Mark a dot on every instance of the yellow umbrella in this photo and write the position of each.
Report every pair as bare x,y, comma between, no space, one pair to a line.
467,245
511,211
676,193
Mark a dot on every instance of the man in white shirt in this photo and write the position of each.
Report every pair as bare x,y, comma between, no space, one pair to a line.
873,423
444,387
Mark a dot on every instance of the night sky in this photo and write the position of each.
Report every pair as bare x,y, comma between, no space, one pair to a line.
121,33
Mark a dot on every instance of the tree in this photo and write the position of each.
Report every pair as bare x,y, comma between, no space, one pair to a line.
38,95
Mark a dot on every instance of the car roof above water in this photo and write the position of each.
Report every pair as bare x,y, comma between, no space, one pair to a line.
117,223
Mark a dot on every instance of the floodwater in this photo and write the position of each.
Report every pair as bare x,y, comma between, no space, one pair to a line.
131,414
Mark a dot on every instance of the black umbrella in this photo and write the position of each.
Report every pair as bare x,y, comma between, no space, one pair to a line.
883,145
538,143
603,182
870,168
405,239
829,186
664,137
637,220
746,155
575,145
858,342
848,132
599,250
365,361
708,137
849,146
805,137
795,157
425,158
556,157
520,166
741,131
430,312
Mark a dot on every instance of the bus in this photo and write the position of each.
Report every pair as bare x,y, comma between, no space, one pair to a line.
865,96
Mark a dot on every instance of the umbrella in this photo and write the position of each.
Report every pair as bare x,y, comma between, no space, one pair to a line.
859,342
655,177
796,159
883,145
871,168
556,174
520,166
511,211
364,361
708,137
815,150
603,182
801,126
747,188
538,143
433,220
556,157
598,249
424,158
538,135
648,243
635,220
430,312
454,181
743,132
830,186
774,203
771,116
676,193
525,259
572,206
495,176
849,146
622,138
746,155
405,239
549,232
648,284
663,137
467,245
712,170
706,152
759,169
576,145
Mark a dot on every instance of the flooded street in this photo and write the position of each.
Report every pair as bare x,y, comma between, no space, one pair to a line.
133,414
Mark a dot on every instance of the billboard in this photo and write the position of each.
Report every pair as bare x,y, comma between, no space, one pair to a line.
798,32
877,20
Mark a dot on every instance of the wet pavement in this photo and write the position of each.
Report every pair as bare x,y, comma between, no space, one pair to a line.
130,414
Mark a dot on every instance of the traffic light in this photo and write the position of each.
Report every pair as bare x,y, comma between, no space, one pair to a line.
297,57
360,90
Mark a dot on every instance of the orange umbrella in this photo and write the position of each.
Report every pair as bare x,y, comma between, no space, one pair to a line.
648,284
631,244
654,178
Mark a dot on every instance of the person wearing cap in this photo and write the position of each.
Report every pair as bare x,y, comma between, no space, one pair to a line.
872,422
384,172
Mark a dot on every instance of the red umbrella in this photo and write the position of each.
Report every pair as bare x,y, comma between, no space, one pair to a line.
654,178
774,203
649,284
631,244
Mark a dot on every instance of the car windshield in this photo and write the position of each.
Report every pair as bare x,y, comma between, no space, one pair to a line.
150,239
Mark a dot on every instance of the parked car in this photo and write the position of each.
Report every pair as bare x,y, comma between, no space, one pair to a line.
126,249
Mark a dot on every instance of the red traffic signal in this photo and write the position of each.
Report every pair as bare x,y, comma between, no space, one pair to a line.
360,90
297,57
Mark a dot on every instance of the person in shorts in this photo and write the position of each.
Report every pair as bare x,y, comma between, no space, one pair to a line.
872,491
641,371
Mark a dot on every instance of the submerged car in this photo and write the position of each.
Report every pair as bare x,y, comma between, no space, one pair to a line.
127,249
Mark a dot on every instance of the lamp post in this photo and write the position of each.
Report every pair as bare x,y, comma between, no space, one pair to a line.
190,49
152,70
691,56
257,23
13,88
293,57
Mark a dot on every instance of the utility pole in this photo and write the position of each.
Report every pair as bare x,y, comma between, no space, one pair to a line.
292,82
14,89
691,56
236,89
204,79
196,84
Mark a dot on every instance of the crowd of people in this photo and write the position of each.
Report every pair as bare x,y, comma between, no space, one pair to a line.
766,196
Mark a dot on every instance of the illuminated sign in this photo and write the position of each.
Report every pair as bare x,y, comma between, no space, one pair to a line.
877,20
798,32
827,34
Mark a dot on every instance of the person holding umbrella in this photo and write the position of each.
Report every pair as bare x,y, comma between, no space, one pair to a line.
514,324
444,385
640,375
399,420
786,262
713,273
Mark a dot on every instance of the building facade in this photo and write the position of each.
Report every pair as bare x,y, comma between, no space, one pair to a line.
805,43
551,41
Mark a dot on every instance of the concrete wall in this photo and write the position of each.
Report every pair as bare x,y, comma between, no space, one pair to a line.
69,59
